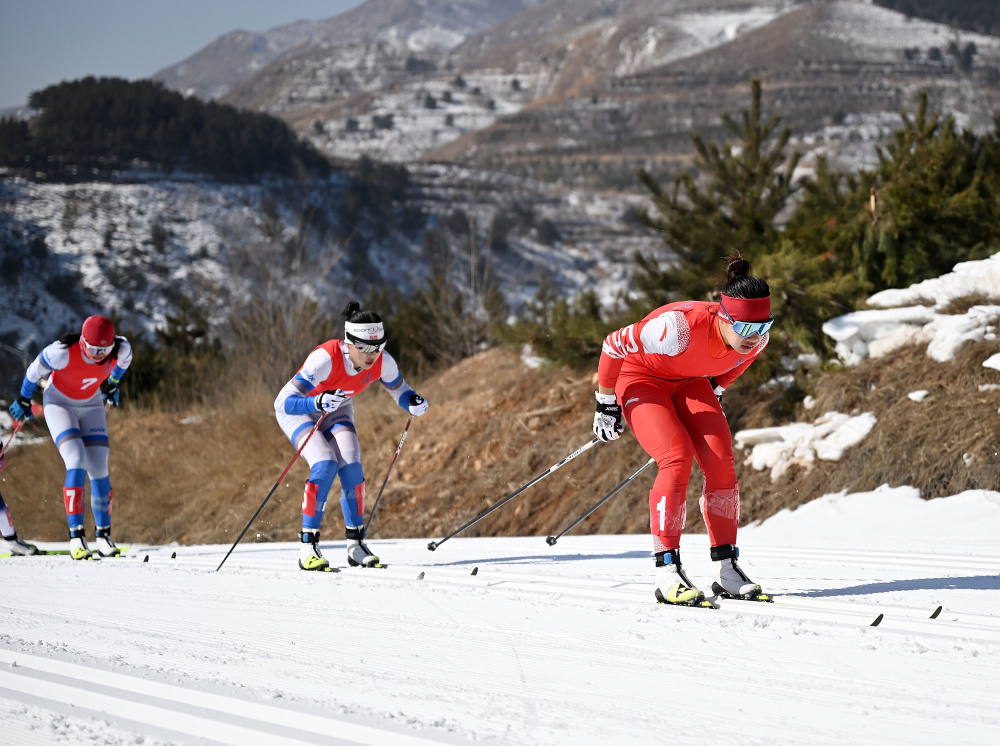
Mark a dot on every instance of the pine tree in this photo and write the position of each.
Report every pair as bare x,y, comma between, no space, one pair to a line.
731,209
564,332
931,202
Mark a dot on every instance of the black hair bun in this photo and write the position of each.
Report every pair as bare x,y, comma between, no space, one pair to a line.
350,309
737,267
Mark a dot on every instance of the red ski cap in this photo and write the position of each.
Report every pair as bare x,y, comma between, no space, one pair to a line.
98,331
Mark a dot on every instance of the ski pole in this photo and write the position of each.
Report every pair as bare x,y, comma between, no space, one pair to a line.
435,544
391,464
551,540
13,432
254,516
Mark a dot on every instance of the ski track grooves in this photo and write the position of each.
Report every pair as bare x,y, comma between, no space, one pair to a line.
900,619
513,654
196,713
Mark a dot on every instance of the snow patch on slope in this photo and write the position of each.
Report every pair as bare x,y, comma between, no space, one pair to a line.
801,443
673,38
876,333
886,511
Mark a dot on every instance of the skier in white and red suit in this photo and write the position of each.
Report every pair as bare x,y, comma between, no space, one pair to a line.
666,374
323,388
85,370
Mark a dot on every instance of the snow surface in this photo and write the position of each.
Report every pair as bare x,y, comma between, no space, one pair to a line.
545,645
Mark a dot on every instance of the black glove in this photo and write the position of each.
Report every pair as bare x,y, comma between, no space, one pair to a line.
110,392
608,418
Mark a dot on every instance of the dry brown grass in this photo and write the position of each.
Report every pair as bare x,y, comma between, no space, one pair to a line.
963,304
492,426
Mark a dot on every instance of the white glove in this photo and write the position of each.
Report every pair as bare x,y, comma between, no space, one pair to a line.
417,405
608,417
716,389
330,401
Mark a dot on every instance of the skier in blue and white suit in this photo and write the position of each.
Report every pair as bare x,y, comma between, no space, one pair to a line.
322,388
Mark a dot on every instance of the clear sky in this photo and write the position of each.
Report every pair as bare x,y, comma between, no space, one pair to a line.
46,41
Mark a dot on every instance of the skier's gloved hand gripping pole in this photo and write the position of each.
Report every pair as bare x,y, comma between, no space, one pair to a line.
392,463
551,540
435,544
257,513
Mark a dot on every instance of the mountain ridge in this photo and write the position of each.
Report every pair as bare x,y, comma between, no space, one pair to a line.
213,70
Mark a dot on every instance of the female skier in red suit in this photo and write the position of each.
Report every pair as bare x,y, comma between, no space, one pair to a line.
666,374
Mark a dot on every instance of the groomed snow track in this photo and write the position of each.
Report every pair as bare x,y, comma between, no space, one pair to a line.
522,646
933,619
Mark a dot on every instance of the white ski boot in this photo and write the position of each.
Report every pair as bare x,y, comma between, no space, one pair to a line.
358,554
730,580
103,544
310,557
18,547
78,548
672,584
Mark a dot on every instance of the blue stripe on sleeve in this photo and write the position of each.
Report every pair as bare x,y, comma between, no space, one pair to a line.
404,399
393,382
300,404
305,384
27,388
116,374
45,360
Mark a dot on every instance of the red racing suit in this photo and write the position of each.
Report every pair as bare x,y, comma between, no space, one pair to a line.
659,368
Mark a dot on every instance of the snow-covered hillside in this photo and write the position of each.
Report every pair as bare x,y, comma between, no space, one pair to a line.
543,645
138,247
408,24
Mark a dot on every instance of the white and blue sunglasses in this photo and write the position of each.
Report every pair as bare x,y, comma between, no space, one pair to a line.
746,328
